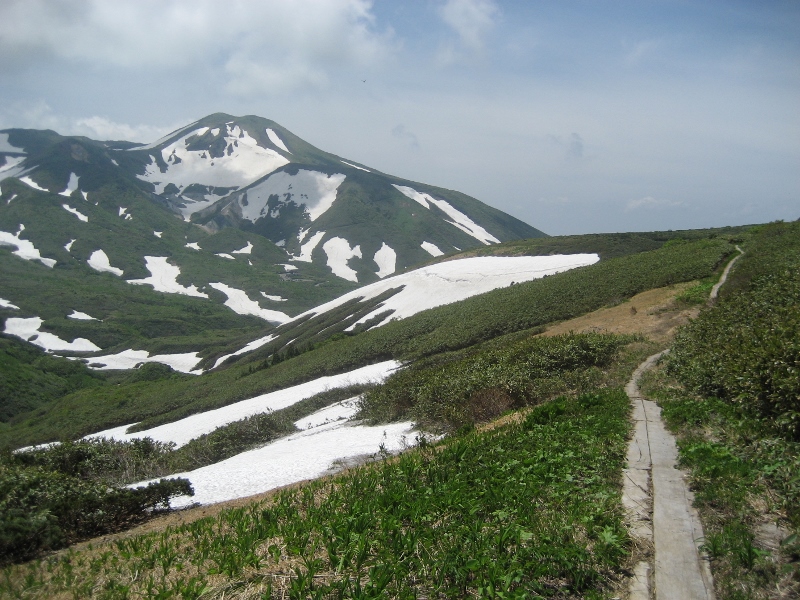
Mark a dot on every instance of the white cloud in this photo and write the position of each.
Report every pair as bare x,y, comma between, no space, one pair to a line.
263,46
471,21
650,203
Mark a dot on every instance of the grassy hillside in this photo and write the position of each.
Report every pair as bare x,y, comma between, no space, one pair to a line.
446,328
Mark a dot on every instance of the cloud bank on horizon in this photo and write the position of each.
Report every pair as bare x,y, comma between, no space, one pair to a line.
573,116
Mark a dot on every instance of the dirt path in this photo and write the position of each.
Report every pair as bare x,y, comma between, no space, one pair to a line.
715,290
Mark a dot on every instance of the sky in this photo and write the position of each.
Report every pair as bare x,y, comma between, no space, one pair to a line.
575,116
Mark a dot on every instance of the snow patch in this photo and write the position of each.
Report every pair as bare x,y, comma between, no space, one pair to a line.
243,162
275,298
160,141
85,195
273,137
239,302
339,252
80,316
164,278
68,245
341,411
115,163
386,259
183,431
307,248
452,281
33,184
246,250
25,248
254,345
317,191
193,246
130,359
6,304
460,220
431,249
289,268
122,211
99,262
354,166
158,234
225,255
5,145
10,199
72,185
75,212
28,330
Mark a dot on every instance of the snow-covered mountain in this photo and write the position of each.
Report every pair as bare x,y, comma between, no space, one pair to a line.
139,252
253,174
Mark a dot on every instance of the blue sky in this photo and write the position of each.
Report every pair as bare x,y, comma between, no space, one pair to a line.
574,116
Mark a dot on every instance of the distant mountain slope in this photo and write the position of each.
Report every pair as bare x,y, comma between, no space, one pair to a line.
226,225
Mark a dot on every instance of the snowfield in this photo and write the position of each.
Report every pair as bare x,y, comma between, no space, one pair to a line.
28,330
451,281
460,220
130,359
339,252
164,278
99,262
5,146
24,248
243,162
309,454
317,191
239,302
183,431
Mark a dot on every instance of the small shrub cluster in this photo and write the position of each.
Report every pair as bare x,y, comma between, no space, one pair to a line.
479,384
746,349
43,509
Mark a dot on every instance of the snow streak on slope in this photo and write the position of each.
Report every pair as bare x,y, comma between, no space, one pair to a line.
339,252
28,330
317,191
6,304
80,316
164,278
254,345
431,249
183,431
12,167
99,262
239,302
72,185
386,259
243,162
33,184
354,166
273,137
460,220
24,248
306,249
75,212
451,281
